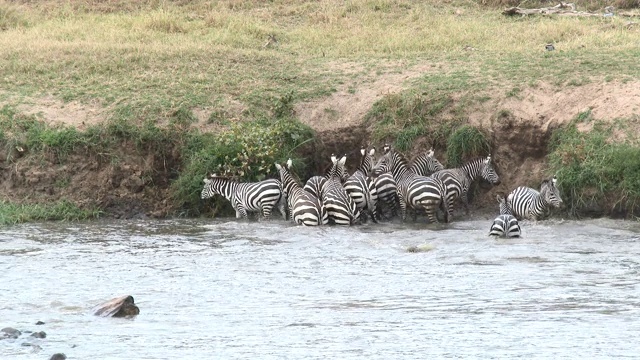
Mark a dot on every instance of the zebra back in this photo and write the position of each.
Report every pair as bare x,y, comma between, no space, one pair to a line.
505,225
340,206
416,191
426,164
305,208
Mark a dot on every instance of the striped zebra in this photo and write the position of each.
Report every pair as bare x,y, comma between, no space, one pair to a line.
528,203
458,180
417,192
361,187
426,164
260,196
505,224
305,209
387,190
340,206
315,184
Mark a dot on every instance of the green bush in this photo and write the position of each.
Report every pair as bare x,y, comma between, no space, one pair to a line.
464,143
592,170
246,151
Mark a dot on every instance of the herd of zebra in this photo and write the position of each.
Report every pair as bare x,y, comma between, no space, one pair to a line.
378,188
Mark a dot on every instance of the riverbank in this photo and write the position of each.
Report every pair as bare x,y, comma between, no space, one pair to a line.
121,111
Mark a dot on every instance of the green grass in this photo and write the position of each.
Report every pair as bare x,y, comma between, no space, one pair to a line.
465,143
144,60
593,170
11,213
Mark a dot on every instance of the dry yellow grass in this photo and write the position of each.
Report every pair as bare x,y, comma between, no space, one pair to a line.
161,54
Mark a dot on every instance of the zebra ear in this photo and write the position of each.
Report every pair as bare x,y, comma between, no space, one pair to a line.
430,153
333,158
343,159
372,151
554,180
499,198
289,163
487,160
278,166
363,151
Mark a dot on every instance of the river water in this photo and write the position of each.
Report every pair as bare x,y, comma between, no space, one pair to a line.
227,289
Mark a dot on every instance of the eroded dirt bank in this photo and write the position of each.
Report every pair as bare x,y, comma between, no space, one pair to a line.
137,183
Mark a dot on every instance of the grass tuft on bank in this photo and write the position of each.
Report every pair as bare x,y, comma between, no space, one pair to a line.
596,173
11,213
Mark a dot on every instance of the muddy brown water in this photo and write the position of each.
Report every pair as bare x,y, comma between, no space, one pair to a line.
223,289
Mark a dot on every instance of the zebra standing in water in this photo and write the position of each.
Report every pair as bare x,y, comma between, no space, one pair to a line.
417,192
340,206
315,184
505,224
426,164
387,190
305,208
360,186
528,203
458,180
247,197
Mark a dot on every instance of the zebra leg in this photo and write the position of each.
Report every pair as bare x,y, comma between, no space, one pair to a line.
403,208
241,212
431,214
266,211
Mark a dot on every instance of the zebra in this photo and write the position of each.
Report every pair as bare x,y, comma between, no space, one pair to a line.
247,197
305,208
505,224
315,184
528,203
386,189
458,180
417,192
340,206
426,164
361,187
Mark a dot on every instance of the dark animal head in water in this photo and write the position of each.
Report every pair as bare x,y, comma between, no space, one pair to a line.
119,307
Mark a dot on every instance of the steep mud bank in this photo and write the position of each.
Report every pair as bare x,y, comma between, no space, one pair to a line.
128,184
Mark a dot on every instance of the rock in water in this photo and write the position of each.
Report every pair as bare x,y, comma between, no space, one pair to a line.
420,248
119,307
58,356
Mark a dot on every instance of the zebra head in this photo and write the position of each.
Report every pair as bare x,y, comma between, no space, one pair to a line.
488,172
502,205
211,187
550,192
338,170
366,163
383,164
426,164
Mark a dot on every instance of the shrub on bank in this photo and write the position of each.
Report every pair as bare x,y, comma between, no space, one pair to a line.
596,175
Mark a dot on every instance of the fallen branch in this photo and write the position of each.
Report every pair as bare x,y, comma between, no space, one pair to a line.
562,9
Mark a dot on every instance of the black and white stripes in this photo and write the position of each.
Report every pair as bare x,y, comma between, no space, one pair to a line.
305,208
505,224
417,192
527,203
260,197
